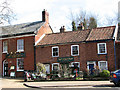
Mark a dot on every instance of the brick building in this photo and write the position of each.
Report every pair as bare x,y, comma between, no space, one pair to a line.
18,45
84,49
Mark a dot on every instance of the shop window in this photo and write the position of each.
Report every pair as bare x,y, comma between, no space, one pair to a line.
75,50
102,48
55,66
20,45
55,51
102,65
20,64
5,47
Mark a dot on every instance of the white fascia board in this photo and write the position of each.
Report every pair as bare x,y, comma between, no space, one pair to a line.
115,32
39,39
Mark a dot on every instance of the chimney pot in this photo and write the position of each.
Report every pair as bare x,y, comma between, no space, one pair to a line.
62,29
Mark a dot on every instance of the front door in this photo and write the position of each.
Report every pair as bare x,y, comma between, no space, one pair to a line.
91,67
5,69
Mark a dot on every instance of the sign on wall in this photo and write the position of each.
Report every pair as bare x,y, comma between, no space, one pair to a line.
15,55
65,59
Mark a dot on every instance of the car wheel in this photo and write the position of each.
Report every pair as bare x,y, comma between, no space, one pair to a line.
117,84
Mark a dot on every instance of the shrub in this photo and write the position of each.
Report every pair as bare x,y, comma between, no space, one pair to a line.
105,73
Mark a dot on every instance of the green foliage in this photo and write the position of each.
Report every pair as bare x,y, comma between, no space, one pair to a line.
73,26
92,23
41,68
105,73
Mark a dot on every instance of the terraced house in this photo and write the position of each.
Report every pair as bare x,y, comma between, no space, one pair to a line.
82,50
17,46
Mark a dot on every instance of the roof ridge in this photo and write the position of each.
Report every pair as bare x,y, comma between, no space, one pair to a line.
67,32
104,27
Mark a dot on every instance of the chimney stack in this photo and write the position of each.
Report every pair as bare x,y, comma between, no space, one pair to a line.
80,27
62,29
45,16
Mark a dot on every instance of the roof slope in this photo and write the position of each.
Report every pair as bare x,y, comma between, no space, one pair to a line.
20,28
66,37
101,33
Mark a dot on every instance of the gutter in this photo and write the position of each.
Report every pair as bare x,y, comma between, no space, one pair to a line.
74,42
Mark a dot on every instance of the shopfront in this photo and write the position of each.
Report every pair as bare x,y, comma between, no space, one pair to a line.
66,66
13,64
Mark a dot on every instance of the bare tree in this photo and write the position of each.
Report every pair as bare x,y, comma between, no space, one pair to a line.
112,20
6,13
89,21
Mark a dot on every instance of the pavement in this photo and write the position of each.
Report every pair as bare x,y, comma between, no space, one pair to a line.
69,84
19,83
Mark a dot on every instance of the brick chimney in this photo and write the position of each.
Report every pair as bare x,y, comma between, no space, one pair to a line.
45,16
62,29
80,27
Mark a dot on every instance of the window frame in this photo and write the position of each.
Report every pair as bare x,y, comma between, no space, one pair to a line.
58,51
99,48
55,64
76,62
72,50
4,46
17,64
106,64
20,50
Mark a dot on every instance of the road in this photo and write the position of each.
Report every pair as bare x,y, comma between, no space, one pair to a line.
84,85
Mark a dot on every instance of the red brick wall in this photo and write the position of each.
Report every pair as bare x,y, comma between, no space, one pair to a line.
87,52
118,54
28,50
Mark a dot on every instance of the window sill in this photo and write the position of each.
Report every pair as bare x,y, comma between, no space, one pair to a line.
74,55
20,70
102,53
5,52
55,56
20,51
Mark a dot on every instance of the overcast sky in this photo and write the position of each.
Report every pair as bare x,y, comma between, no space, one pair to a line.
59,10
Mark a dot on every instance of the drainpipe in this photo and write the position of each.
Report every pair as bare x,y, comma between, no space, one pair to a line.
115,54
34,58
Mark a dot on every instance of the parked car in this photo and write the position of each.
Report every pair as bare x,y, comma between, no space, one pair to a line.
115,77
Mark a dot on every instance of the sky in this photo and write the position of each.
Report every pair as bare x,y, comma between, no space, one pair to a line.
59,10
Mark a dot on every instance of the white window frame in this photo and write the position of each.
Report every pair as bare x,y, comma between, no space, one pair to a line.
52,51
72,50
5,51
46,69
91,62
55,64
17,65
20,50
103,61
76,62
99,49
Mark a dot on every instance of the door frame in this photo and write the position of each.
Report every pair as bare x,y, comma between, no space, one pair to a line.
90,62
3,67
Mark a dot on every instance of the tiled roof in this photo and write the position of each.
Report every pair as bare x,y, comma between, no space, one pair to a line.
20,28
101,33
66,37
